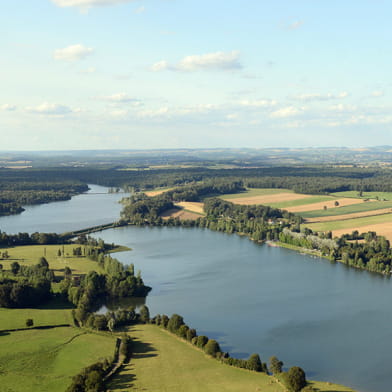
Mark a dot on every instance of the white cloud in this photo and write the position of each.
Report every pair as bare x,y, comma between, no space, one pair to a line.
341,108
8,107
285,112
208,61
52,109
377,94
320,97
154,113
73,53
295,25
120,98
88,70
140,10
263,103
160,66
88,3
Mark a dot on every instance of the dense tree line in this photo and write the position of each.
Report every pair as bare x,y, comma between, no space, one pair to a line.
29,286
373,253
9,240
20,187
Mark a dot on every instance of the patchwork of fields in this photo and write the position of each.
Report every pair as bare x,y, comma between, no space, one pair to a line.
341,212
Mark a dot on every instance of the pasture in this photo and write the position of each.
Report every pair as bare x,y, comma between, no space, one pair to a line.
46,360
162,362
30,255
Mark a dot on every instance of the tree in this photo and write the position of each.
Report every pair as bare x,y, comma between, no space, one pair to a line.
275,365
43,262
29,322
336,203
254,363
175,323
67,273
201,341
212,347
15,267
144,313
296,379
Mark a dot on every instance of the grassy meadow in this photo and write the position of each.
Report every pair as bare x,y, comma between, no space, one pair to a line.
29,255
46,360
350,209
365,195
162,362
16,318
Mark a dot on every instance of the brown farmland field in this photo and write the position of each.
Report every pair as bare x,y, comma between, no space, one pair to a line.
267,199
384,229
192,206
349,216
180,213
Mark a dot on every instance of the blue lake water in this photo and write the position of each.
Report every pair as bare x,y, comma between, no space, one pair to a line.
333,321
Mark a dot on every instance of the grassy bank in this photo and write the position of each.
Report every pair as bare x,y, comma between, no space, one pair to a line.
162,362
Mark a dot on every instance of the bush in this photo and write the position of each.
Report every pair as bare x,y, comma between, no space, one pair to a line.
29,322
295,379
254,363
201,341
212,348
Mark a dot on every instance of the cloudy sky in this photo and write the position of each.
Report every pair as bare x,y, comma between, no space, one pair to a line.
94,74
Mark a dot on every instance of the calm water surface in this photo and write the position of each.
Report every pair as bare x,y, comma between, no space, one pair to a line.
333,321
95,207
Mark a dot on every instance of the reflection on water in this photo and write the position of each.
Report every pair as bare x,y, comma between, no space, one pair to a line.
123,303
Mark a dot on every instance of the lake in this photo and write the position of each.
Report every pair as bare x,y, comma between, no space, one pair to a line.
333,321
329,319
95,207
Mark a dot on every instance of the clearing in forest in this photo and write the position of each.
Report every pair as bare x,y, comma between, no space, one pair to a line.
157,192
162,362
179,213
192,206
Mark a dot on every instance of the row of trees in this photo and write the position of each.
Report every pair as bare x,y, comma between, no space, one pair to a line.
294,379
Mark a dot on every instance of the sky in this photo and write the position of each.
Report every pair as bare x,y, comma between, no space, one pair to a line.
123,74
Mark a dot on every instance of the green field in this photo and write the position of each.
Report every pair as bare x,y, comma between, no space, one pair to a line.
365,195
46,360
256,192
351,209
30,254
349,223
162,362
301,202
16,318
